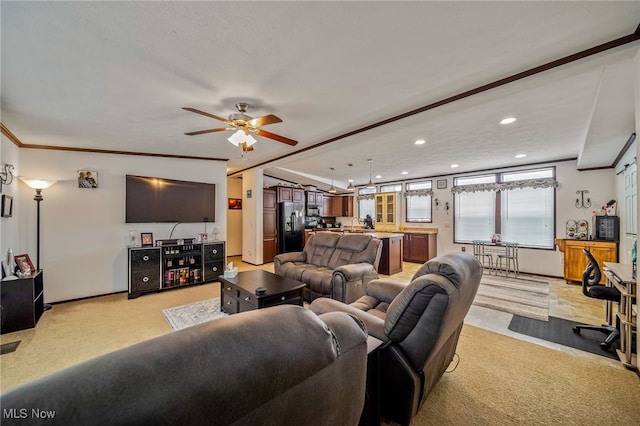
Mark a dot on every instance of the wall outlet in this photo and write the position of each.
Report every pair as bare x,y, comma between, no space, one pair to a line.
464,248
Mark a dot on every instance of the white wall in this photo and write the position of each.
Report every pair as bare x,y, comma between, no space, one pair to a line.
10,154
252,223
234,219
83,234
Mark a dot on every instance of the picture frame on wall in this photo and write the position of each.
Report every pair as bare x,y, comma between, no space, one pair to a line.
235,203
147,239
441,184
24,263
87,179
6,208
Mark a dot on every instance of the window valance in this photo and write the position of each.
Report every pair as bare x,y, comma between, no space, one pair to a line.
506,186
365,197
418,193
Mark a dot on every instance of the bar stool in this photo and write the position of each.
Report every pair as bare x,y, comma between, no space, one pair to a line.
481,255
510,258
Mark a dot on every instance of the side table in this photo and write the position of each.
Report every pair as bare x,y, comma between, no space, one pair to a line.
22,302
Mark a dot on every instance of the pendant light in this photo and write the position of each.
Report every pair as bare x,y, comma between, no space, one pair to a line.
332,190
350,187
370,184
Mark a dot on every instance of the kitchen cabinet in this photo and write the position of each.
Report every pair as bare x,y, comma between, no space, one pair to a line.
314,198
269,225
338,206
386,210
327,206
575,261
287,193
419,247
391,257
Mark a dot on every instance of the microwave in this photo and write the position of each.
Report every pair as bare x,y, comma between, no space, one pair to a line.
607,228
313,211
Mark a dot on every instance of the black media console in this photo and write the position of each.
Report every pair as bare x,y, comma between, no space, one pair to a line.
174,263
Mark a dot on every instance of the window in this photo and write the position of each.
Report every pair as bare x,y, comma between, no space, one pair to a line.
475,213
418,201
396,187
365,202
520,206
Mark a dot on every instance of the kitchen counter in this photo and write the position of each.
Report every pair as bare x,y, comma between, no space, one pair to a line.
420,231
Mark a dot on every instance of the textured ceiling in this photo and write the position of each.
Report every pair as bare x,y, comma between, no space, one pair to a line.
115,75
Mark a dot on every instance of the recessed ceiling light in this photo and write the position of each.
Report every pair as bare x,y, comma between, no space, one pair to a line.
453,166
405,172
520,155
378,176
420,142
508,120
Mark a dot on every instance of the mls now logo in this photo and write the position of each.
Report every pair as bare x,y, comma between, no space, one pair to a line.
23,413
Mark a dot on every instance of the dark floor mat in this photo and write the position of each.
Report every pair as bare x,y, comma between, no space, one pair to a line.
559,330
7,348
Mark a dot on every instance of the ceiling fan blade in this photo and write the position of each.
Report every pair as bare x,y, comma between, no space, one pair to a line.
200,132
264,120
275,137
197,111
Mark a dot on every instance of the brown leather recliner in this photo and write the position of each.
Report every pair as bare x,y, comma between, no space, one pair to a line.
419,324
333,265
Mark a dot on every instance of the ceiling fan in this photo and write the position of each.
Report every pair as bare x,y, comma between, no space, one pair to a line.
244,125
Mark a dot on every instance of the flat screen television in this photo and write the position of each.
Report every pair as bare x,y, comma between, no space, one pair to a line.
152,199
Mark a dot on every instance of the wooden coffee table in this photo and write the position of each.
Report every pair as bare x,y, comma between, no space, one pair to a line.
238,294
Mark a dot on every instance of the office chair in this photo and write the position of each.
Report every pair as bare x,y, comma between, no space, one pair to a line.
591,288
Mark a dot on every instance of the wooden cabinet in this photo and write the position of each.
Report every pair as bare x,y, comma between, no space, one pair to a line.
22,302
391,258
419,248
287,193
326,206
575,261
385,210
312,198
338,206
269,225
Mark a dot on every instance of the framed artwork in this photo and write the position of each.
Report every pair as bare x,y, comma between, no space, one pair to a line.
441,184
7,206
235,203
87,179
24,263
147,239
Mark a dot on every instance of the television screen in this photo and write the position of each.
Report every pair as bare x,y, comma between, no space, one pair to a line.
150,199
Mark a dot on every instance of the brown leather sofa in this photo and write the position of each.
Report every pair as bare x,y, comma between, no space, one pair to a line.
333,265
419,325
280,365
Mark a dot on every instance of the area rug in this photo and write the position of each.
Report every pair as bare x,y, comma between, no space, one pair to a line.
191,314
560,331
521,296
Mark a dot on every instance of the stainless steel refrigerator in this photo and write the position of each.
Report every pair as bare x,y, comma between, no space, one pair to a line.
290,227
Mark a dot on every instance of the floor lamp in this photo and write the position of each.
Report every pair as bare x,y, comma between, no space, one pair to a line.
38,185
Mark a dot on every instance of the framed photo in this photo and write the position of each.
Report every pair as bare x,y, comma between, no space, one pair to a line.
441,184
235,203
87,179
7,206
147,239
24,262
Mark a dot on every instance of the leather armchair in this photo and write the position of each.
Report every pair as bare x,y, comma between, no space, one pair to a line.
280,365
333,265
419,323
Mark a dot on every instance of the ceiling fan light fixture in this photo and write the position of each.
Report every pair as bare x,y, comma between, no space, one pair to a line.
237,138
249,140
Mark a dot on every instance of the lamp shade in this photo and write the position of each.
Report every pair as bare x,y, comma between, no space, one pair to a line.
237,138
34,183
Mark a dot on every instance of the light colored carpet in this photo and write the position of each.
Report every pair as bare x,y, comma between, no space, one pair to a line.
504,381
184,316
521,296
